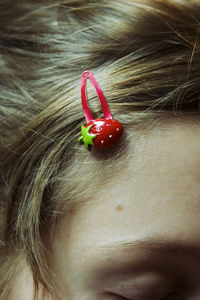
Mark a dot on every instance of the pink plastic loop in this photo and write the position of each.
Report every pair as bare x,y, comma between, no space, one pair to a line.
88,116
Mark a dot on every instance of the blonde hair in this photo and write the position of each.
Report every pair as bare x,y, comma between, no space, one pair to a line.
145,56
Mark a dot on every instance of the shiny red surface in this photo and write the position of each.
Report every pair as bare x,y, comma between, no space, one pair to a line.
108,132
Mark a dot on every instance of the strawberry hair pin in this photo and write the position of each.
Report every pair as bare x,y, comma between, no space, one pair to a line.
100,133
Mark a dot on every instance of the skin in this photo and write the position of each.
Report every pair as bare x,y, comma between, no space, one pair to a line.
154,198
111,248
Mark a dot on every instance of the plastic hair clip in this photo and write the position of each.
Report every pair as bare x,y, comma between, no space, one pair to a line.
100,133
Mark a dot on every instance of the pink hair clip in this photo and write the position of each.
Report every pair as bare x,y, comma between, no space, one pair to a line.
100,133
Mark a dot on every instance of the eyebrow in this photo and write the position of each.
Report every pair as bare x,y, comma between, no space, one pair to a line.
162,246
121,258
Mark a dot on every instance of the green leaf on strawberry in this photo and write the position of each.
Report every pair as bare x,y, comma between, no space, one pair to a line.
86,137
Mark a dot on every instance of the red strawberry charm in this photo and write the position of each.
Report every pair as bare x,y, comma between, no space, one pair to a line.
101,133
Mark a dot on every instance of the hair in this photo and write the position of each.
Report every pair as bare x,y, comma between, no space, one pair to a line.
145,56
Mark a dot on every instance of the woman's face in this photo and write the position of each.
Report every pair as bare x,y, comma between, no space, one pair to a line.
139,238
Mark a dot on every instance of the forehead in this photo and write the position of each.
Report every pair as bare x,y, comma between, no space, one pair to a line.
155,193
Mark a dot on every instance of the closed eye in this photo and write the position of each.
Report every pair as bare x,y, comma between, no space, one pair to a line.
171,296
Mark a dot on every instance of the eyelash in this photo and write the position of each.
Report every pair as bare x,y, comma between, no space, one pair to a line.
169,295
165,298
